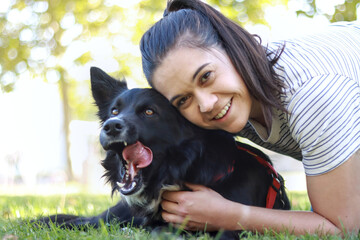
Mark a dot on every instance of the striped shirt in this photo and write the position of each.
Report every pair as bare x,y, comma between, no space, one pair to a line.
321,73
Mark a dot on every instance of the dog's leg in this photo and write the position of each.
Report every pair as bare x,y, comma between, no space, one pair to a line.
120,214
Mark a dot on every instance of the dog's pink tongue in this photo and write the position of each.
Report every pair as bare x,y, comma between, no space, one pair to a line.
138,154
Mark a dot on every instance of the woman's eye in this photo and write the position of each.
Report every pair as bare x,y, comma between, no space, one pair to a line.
115,111
204,78
182,101
149,112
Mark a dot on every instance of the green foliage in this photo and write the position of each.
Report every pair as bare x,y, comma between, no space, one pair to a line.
34,31
83,59
343,12
245,11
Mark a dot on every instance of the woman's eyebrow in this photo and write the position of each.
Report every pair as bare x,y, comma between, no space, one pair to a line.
198,70
174,98
193,78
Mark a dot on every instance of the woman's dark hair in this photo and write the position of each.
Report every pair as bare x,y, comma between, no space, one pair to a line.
193,23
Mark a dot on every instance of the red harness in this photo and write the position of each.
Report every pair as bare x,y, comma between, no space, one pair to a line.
274,188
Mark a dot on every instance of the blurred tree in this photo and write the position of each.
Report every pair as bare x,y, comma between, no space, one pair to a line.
35,36
245,11
347,11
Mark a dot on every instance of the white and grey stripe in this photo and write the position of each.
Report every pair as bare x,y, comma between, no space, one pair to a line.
322,95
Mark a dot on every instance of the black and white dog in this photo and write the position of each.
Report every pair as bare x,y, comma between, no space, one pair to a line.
150,148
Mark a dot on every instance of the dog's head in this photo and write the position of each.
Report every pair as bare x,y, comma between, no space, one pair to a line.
139,127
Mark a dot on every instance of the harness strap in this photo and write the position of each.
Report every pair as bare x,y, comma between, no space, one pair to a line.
221,175
275,186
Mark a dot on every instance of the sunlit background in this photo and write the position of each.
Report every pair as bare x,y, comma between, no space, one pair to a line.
48,124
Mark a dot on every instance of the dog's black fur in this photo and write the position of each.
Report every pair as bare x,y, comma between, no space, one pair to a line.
181,152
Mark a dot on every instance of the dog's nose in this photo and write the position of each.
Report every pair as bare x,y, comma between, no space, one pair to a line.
112,127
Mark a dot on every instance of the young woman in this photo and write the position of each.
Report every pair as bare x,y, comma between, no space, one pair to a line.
300,98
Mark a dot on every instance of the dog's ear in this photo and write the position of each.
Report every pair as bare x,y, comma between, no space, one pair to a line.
104,87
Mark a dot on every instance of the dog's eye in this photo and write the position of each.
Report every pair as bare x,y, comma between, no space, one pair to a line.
149,112
115,111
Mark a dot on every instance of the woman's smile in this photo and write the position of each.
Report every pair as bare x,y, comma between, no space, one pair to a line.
224,111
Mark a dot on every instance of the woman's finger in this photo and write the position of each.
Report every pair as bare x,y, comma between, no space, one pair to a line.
170,207
172,218
172,196
182,222
195,226
195,187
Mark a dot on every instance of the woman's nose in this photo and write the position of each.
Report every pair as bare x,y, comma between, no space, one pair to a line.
206,101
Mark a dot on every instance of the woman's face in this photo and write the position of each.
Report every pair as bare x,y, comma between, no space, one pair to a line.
205,87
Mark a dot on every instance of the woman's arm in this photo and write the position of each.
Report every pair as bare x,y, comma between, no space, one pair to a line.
335,198
336,194
204,207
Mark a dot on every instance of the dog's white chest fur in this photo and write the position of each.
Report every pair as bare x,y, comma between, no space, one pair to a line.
153,206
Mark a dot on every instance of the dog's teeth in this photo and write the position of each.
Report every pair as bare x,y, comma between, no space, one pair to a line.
125,143
127,177
127,166
120,185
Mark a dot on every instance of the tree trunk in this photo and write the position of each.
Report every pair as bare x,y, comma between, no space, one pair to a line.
66,122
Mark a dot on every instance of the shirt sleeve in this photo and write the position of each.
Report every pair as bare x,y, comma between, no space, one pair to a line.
324,119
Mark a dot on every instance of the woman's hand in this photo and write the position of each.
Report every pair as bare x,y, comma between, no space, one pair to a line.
200,209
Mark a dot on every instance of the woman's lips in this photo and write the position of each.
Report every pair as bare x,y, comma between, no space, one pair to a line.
224,111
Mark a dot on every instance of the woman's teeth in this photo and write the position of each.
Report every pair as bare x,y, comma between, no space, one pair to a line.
224,111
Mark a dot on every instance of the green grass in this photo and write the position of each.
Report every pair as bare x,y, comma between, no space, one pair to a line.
16,211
